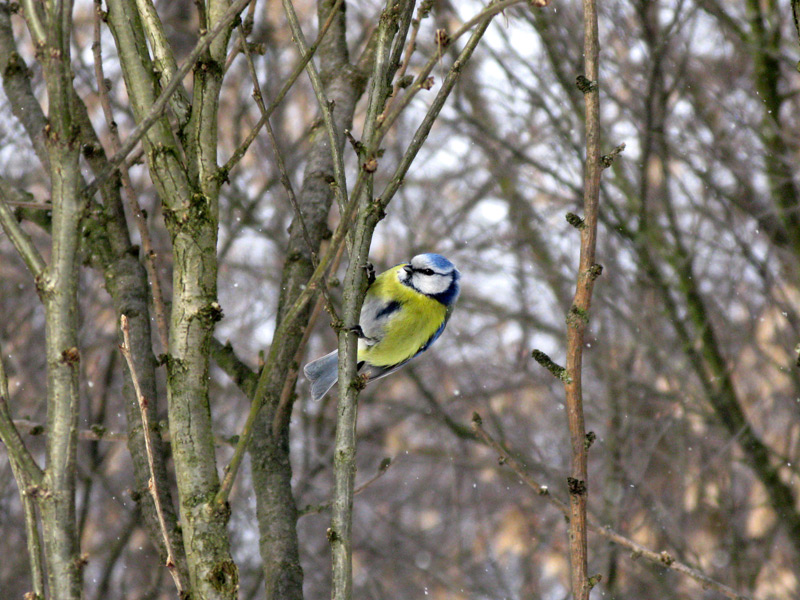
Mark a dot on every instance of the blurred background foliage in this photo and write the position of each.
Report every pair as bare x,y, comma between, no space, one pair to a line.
690,379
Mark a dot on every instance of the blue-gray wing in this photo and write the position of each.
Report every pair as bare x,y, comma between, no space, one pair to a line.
375,313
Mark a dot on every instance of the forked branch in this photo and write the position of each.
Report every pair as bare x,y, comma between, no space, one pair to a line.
158,107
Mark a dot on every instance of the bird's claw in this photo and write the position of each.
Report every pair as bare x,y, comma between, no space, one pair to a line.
358,331
361,335
370,270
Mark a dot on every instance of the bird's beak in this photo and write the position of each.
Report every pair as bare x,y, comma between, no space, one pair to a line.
408,269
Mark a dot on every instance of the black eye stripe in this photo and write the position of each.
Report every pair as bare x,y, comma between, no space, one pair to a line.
428,272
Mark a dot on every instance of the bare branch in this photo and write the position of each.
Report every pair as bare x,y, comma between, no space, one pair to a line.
421,134
58,286
9,434
125,348
662,559
383,467
796,16
556,370
18,88
99,433
28,476
283,409
21,240
578,315
240,373
34,17
350,383
400,78
370,212
130,196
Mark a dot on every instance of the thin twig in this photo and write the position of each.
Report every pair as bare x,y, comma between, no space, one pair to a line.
424,128
163,59
494,9
422,11
663,559
34,19
557,370
95,433
34,543
284,403
326,108
130,196
239,372
298,69
245,378
126,352
237,45
422,83
796,17
21,240
99,433
30,205
27,475
318,508
578,314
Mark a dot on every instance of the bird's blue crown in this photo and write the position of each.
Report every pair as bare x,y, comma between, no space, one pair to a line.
438,262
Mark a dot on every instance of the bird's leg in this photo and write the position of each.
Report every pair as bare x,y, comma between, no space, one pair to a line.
370,273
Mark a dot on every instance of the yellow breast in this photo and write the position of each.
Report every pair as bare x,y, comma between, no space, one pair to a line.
409,328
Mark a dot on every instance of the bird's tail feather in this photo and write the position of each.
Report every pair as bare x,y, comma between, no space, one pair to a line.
322,373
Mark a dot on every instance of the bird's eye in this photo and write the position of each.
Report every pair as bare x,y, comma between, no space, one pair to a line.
426,271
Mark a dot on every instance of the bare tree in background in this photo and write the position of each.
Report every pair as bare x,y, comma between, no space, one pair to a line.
164,161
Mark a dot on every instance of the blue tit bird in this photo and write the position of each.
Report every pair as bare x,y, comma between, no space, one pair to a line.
405,310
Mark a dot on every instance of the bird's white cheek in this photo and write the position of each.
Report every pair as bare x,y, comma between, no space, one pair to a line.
430,285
